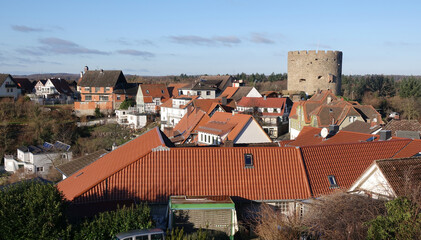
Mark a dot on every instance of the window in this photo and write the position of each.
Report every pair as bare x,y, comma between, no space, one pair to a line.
248,160
332,181
147,91
40,169
107,89
283,207
88,89
208,93
157,237
198,93
141,238
103,98
88,98
97,89
118,97
162,91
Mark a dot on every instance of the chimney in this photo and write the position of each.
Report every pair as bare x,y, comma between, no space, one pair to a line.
229,143
333,129
114,146
264,97
385,135
224,101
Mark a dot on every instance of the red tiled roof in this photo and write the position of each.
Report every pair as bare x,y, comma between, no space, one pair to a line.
155,90
173,88
206,104
229,92
147,99
277,173
409,150
346,162
86,178
262,102
221,123
189,123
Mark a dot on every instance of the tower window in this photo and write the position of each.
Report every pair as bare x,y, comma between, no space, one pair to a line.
302,80
248,160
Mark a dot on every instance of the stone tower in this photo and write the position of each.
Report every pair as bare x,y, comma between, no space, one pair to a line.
310,71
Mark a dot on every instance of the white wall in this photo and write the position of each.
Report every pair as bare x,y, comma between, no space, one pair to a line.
252,133
254,93
373,181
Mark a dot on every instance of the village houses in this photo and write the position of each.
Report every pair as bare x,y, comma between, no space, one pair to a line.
8,87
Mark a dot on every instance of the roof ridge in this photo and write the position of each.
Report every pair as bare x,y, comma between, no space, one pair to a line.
402,148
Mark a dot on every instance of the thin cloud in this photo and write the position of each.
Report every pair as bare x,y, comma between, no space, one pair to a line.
136,53
60,46
260,38
198,40
32,52
22,28
227,40
191,39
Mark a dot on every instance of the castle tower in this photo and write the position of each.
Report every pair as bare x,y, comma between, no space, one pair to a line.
310,71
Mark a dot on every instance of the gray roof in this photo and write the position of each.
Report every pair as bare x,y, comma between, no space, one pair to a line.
408,134
241,92
102,78
76,164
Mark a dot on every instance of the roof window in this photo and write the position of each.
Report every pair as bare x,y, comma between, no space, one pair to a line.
248,160
332,181
147,91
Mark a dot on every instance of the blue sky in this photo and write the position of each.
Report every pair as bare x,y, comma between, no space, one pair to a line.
206,37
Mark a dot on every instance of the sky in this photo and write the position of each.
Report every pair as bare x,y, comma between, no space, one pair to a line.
206,37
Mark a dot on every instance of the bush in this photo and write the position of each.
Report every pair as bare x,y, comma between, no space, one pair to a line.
402,221
32,210
107,224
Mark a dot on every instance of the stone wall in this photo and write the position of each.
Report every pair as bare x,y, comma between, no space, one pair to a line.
310,71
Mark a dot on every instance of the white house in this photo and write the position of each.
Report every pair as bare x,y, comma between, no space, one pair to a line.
150,96
53,88
173,110
38,159
131,117
8,87
238,128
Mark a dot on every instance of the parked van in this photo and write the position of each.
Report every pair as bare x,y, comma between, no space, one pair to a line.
149,234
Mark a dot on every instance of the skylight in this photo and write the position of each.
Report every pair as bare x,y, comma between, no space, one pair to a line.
332,181
248,160
370,139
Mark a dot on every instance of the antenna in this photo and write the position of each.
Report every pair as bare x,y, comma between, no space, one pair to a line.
324,132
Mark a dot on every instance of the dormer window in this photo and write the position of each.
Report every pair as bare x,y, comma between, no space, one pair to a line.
248,160
332,181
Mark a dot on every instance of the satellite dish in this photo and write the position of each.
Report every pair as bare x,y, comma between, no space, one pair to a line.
324,132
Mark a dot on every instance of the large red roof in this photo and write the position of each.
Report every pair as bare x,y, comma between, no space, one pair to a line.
277,173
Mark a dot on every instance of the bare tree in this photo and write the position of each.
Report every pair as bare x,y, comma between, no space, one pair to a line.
271,223
341,215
